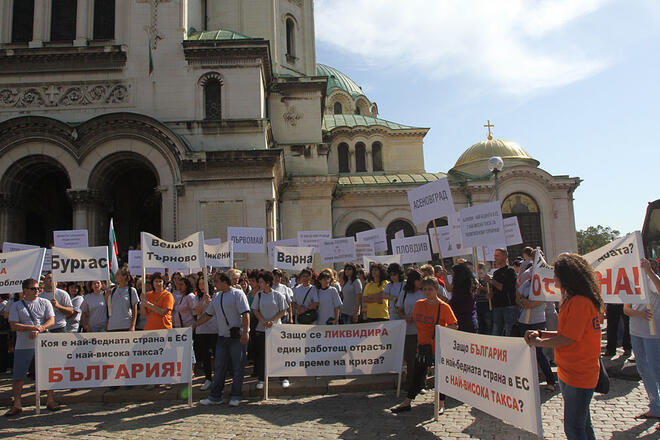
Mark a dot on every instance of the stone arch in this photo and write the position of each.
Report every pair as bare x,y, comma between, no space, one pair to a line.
350,216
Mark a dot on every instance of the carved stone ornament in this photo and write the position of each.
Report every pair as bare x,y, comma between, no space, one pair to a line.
292,116
64,95
298,3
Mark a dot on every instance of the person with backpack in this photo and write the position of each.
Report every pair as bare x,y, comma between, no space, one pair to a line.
94,309
122,301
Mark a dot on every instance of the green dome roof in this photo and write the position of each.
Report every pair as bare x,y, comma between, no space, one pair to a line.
337,80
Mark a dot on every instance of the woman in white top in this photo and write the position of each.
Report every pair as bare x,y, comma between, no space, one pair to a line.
351,295
394,289
73,321
182,315
205,335
412,292
329,301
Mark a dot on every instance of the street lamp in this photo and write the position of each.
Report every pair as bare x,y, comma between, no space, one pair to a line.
495,165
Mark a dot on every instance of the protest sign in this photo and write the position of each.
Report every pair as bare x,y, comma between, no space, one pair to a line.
8,246
399,234
431,201
511,231
248,240
313,238
338,250
212,241
448,247
220,255
617,266
481,225
381,259
19,265
412,249
329,350
187,253
135,262
290,242
543,280
76,238
293,258
488,251
363,250
81,264
495,374
376,236
90,360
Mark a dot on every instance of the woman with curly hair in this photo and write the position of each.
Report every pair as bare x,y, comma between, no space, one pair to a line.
576,341
374,295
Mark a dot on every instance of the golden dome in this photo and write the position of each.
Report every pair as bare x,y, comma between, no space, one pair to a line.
475,159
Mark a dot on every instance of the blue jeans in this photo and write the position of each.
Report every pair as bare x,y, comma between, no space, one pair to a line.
577,417
228,350
345,318
647,355
504,318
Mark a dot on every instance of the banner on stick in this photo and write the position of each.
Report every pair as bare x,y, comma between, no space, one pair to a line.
511,231
376,236
19,265
187,253
448,247
81,264
293,258
431,201
76,238
363,250
8,246
412,249
288,242
481,225
495,374
338,250
313,238
219,255
330,350
543,280
248,240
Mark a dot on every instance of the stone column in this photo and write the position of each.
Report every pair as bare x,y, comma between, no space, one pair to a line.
82,23
351,158
270,229
41,18
168,213
89,209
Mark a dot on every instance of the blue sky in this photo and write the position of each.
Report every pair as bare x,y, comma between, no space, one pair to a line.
575,83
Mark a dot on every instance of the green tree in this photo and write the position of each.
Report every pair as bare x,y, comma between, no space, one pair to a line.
594,237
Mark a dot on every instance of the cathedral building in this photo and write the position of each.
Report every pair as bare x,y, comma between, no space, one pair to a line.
174,116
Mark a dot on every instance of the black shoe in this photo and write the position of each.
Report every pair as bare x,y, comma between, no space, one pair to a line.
400,409
610,353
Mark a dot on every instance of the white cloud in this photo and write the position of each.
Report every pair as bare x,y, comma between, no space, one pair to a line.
513,46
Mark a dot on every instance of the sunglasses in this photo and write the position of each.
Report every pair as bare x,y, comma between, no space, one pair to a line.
34,289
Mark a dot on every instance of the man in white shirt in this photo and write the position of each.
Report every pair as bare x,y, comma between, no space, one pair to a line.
61,302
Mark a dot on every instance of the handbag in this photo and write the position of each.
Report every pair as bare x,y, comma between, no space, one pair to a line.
424,355
603,385
309,316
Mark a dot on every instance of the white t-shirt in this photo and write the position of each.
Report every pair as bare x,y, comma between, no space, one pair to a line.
63,299
40,309
210,327
122,312
395,290
269,305
182,316
407,301
227,309
328,300
299,293
73,323
96,309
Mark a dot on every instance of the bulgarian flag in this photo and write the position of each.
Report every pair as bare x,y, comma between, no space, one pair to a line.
113,251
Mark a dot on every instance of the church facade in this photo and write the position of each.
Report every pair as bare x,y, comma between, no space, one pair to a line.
174,116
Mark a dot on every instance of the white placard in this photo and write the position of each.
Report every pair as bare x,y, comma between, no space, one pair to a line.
293,258
288,242
511,231
220,255
489,251
248,240
481,225
376,236
212,241
135,262
338,250
363,250
114,359
337,350
17,266
8,246
431,201
412,249
81,264
510,390
313,238
380,259
399,234
543,280
449,248
618,268
183,254
76,238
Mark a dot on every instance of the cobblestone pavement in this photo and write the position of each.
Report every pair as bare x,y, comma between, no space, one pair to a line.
345,416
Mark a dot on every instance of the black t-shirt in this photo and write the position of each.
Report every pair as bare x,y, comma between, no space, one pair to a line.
507,296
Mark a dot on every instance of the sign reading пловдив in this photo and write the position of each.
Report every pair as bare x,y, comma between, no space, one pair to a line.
412,249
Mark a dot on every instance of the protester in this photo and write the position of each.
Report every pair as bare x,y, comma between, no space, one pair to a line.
122,301
305,294
205,334
61,302
374,295
231,312
412,293
5,333
94,309
351,295
526,265
614,314
463,302
182,315
394,288
329,301
157,305
576,341
286,292
484,313
427,313
254,288
269,307
28,317
75,293
645,346
503,295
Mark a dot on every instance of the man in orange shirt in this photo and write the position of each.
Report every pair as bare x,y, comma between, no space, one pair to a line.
157,305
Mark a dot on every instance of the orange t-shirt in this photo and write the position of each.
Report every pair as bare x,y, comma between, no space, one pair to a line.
155,321
425,316
577,363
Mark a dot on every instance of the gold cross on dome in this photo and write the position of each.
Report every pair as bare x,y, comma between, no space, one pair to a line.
490,133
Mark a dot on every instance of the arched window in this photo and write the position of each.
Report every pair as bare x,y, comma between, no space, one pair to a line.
22,21
529,220
63,20
342,152
290,38
212,95
104,19
396,226
337,108
357,110
377,156
360,157
357,226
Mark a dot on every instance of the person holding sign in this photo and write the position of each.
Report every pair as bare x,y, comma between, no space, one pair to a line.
374,294
406,304
122,303
94,309
427,313
61,302
503,294
644,320
576,341
329,301
28,317
157,305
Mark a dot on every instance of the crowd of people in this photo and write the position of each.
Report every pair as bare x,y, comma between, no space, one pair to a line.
229,315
